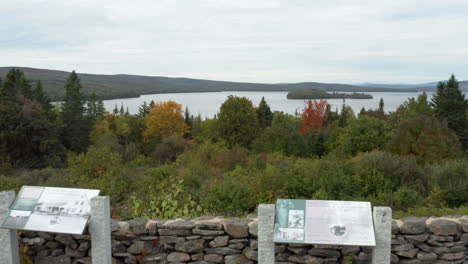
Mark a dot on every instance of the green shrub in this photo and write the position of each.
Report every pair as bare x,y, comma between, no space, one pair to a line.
452,179
8,184
101,169
231,196
169,149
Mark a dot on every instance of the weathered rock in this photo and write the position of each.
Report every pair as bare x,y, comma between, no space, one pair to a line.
46,236
237,259
404,247
84,246
64,239
444,227
158,257
417,239
174,232
53,244
152,227
413,225
253,244
322,252
197,256
298,251
171,239
57,252
350,250
464,224
191,246
407,254
453,256
282,257
178,257
179,224
395,228
425,256
209,225
204,232
306,259
222,251
137,247
53,260
253,228
74,253
220,241
138,226
457,249
215,258
250,254
237,246
237,227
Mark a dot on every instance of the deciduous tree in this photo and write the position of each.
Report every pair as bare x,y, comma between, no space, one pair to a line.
163,120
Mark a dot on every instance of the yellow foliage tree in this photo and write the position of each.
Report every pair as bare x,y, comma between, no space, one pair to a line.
163,120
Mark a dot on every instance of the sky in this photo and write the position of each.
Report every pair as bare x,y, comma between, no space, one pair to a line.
271,41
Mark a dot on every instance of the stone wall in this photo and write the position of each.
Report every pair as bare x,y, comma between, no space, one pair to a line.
234,240
430,240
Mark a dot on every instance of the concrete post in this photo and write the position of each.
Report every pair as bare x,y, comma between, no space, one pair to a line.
383,235
266,227
9,248
100,230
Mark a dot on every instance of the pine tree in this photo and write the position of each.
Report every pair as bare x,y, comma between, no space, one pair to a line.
16,83
342,122
75,133
122,112
450,104
91,108
116,110
381,105
188,120
265,116
39,95
100,109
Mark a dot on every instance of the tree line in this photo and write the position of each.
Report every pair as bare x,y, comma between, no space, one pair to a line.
246,154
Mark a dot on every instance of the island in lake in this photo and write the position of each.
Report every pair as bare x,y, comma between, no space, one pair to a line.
318,94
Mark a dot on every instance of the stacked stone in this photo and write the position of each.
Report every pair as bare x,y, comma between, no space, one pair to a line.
430,240
197,241
48,248
318,254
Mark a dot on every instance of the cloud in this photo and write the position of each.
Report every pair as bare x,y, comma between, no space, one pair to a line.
242,40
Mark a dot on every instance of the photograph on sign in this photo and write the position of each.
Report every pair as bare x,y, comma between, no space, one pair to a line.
324,222
61,210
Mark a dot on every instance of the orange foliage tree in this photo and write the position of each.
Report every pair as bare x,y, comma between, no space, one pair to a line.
314,115
164,119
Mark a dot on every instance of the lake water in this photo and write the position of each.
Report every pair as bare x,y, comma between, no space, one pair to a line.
208,104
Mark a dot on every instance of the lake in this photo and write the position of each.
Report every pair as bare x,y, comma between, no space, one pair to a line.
208,104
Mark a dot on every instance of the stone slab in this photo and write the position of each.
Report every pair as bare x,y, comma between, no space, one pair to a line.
266,222
383,232
8,238
100,230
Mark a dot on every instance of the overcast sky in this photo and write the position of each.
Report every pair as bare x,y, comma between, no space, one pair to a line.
387,41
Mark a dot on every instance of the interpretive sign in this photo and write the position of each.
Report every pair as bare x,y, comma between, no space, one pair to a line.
324,222
49,209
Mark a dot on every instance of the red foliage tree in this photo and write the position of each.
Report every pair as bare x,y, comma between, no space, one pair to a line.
314,115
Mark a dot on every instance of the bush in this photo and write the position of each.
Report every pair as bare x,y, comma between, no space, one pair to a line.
101,169
399,171
169,149
452,179
8,184
231,196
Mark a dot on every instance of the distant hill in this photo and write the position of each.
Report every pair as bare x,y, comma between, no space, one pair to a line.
124,85
463,85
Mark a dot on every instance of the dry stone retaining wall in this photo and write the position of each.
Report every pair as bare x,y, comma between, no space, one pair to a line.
234,240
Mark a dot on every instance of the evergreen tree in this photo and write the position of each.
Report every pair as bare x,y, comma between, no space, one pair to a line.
116,110
265,116
188,120
143,109
363,111
100,109
151,105
122,112
342,122
381,105
16,83
28,130
39,96
91,109
450,104
75,127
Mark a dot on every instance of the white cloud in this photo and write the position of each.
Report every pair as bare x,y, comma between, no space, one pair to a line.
242,40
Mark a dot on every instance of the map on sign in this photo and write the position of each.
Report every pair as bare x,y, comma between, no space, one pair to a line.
49,209
324,222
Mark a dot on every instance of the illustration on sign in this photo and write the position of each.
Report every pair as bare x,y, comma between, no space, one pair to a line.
49,209
324,222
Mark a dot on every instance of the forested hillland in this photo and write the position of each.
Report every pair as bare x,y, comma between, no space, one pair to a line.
123,85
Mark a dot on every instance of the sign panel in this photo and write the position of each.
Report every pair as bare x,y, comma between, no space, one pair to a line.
49,209
324,222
